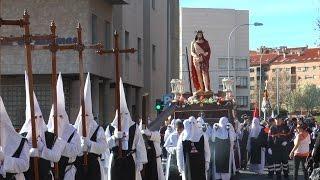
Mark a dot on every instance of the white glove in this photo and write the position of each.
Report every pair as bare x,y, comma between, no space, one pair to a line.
284,143
207,166
34,152
40,144
118,134
270,151
86,141
139,166
84,145
1,155
146,132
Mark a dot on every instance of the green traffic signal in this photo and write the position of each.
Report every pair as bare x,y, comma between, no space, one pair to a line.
158,107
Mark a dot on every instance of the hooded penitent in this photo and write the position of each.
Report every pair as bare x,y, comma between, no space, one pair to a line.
196,132
9,138
126,120
129,166
222,128
63,119
223,136
39,121
91,124
15,161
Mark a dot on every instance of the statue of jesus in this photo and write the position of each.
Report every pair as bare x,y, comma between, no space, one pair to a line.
200,56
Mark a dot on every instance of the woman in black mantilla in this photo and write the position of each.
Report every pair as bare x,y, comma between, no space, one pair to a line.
193,152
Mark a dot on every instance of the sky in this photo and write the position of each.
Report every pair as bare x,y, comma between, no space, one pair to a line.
290,23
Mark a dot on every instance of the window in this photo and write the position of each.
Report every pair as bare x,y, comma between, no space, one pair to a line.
94,28
293,70
241,64
242,101
242,82
107,35
223,63
154,56
288,69
252,88
305,69
258,69
273,70
314,67
126,44
251,70
309,77
139,51
153,4
251,78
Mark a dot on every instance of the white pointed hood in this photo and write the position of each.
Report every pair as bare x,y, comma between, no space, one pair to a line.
91,124
255,128
39,121
192,132
126,120
9,138
63,119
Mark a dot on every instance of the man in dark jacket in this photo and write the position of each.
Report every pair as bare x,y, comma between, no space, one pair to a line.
279,137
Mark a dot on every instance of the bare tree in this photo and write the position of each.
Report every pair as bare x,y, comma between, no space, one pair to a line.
284,88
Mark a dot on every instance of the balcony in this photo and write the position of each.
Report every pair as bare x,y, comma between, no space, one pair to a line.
117,2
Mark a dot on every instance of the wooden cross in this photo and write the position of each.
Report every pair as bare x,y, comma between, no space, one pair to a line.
79,47
27,38
117,51
53,47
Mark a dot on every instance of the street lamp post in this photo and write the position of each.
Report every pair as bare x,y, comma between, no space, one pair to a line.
260,74
229,38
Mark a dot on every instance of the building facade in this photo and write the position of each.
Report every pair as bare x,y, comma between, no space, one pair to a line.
99,19
217,24
285,68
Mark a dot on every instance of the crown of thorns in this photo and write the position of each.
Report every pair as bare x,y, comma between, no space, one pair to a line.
199,31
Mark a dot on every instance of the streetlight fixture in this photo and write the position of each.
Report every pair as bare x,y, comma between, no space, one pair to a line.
229,38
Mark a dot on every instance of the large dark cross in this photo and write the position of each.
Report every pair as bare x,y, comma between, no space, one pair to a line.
27,39
117,51
54,47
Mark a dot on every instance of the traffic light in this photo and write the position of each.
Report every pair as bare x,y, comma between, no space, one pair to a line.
159,105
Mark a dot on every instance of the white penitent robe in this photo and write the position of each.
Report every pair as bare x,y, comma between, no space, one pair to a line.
16,165
224,131
254,132
192,133
171,147
10,142
105,162
71,150
140,155
100,146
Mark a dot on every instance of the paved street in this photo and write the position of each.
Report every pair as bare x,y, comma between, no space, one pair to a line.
246,175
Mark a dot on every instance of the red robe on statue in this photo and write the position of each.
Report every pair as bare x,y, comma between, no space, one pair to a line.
204,65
